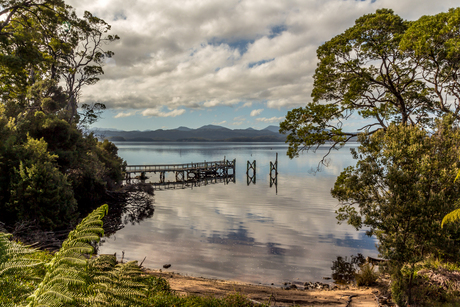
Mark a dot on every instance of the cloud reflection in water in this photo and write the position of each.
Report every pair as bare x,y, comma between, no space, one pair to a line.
241,232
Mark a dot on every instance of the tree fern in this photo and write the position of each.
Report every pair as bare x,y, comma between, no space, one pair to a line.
72,277
66,272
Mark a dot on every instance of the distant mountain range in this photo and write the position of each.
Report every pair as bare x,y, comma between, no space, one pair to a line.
208,133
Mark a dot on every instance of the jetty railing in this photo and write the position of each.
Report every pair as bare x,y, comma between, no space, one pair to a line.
183,172
177,167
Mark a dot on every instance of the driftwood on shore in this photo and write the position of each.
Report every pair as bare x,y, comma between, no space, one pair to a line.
30,233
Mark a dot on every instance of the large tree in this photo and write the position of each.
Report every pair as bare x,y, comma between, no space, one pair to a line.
401,79
48,163
383,69
44,40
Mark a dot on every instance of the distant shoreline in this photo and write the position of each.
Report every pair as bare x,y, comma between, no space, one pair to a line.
238,140
208,133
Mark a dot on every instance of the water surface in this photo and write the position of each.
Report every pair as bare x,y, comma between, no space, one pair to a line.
234,231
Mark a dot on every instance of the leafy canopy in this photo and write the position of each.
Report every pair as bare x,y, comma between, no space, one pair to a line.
401,188
385,70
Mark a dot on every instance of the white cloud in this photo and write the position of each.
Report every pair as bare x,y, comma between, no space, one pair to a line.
256,112
204,54
123,114
158,113
220,123
270,120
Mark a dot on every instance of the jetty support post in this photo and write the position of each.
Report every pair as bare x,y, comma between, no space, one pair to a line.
251,172
143,177
234,168
274,173
274,168
180,177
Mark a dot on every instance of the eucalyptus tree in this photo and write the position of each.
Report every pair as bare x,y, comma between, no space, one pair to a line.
402,79
82,64
385,70
23,33
46,40
402,187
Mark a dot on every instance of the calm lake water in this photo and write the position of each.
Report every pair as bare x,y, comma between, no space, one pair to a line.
250,233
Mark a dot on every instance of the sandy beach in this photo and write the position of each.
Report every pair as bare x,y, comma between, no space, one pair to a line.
276,296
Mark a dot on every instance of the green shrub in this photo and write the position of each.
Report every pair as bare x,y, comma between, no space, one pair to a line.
366,275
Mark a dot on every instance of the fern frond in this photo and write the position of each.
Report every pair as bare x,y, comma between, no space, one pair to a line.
83,237
66,272
18,271
18,265
451,217
78,250
55,297
72,279
14,256
76,260
117,285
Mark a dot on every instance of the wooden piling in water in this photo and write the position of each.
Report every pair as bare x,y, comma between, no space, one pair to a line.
251,172
274,173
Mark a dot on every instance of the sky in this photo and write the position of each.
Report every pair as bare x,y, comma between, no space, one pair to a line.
234,63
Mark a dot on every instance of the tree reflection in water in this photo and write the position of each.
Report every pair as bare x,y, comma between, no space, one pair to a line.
131,205
344,268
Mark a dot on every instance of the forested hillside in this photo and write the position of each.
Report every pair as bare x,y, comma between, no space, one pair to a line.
208,133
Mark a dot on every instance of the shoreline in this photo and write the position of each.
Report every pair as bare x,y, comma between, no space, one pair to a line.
274,295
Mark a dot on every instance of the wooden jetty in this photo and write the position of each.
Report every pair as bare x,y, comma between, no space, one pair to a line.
183,172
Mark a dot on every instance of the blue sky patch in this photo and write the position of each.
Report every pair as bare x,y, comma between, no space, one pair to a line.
119,16
258,63
241,44
277,30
